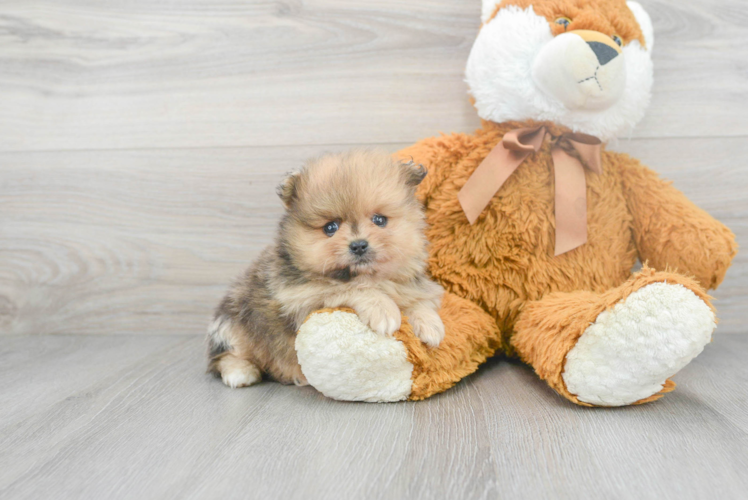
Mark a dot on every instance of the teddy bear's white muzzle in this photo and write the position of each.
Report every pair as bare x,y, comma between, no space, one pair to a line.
580,71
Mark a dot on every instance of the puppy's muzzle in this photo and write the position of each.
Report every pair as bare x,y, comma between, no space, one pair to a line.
582,69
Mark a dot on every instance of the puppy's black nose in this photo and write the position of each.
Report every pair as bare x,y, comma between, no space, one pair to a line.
359,247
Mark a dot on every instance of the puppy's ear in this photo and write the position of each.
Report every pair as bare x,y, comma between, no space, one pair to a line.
287,189
414,172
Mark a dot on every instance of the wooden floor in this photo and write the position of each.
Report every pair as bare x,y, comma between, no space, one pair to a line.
140,145
135,417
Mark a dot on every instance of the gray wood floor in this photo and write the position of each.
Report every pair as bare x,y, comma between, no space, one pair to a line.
135,417
140,144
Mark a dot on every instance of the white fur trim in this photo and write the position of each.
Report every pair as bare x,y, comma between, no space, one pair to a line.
629,352
344,359
499,74
487,9
645,23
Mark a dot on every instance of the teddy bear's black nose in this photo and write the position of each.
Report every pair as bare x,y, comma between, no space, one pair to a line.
359,247
604,53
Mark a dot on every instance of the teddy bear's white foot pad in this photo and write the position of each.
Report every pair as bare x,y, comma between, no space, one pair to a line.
631,350
344,359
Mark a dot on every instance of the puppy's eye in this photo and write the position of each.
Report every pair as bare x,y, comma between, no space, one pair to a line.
563,21
331,228
617,39
379,220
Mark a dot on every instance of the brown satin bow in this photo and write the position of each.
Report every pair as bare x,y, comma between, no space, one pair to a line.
571,186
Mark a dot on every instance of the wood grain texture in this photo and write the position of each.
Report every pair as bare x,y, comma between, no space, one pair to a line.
146,242
135,417
132,241
76,74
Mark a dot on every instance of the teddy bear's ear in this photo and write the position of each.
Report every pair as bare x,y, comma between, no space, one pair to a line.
489,6
287,189
414,172
645,23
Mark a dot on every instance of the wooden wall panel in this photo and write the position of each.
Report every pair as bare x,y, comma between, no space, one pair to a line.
146,241
77,74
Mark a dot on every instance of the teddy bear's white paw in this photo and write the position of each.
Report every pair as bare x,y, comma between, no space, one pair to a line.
629,352
345,360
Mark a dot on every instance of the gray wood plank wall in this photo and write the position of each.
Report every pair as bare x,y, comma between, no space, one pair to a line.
140,141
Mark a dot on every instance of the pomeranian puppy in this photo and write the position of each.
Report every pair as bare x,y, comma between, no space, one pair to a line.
352,236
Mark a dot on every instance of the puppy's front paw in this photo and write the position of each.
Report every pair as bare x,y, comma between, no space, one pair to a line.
427,325
383,317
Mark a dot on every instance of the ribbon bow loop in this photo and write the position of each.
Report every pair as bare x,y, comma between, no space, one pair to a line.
571,186
525,140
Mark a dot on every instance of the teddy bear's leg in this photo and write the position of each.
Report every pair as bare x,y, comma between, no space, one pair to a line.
619,347
344,359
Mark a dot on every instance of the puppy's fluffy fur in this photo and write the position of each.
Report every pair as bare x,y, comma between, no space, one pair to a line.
334,205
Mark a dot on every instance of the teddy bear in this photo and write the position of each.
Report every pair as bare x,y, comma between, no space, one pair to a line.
534,227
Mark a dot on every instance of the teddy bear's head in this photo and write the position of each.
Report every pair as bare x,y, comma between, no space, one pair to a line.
584,64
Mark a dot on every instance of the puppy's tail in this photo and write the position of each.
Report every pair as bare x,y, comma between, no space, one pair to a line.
219,342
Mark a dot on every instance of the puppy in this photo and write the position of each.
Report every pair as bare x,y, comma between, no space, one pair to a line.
352,236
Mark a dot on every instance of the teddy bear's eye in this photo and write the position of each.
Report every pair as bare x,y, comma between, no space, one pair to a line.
617,39
563,21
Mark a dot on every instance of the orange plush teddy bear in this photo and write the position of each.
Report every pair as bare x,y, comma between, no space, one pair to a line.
534,227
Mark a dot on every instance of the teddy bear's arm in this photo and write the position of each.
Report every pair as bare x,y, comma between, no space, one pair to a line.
439,155
671,232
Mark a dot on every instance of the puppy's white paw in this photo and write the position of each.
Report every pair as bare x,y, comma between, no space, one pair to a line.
383,317
427,325
239,373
